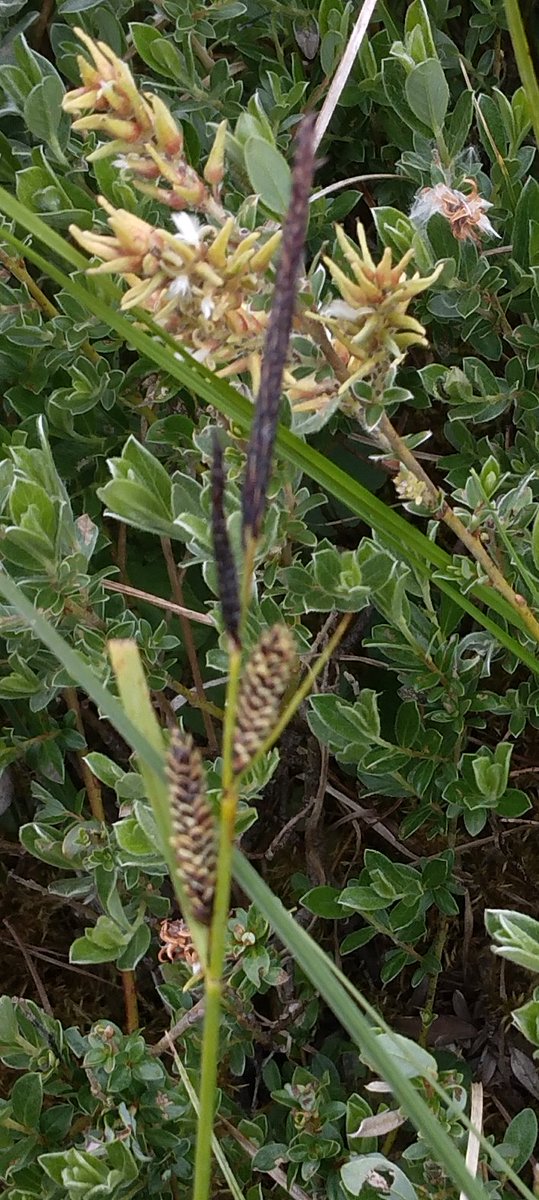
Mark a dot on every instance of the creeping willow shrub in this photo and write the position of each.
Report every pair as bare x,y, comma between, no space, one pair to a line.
205,280
442,317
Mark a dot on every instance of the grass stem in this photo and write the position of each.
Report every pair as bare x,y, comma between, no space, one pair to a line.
525,65
214,970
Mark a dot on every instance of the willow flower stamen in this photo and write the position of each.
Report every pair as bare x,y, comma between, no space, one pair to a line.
370,322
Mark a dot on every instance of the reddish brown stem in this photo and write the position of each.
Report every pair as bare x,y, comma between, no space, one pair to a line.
177,592
440,507
90,782
121,553
130,1001
158,601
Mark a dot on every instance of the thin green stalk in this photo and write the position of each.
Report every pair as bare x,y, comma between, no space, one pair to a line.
235,608
214,971
224,1165
208,1087
525,65
227,830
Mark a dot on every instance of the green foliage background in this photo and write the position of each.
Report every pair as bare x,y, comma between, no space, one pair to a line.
429,714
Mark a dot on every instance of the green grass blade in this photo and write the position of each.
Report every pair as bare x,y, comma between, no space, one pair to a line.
138,709
312,960
80,672
318,968
406,539
525,65
226,1170
345,1001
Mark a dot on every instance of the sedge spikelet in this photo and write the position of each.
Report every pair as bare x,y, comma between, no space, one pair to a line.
193,837
265,680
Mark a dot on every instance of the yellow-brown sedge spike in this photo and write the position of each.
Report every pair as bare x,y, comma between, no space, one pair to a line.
193,837
265,680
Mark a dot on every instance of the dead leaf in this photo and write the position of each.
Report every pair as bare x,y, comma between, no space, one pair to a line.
443,1031
308,40
380,1124
525,1071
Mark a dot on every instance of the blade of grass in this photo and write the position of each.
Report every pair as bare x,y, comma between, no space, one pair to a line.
319,971
336,991
319,967
205,384
405,539
135,697
80,672
497,1159
525,65
226,1170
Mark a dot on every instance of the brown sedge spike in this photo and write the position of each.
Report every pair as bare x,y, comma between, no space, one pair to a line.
264,683
193,827
227,576
264,427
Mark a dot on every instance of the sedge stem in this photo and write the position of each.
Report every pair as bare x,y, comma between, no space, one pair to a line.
214,970
221,908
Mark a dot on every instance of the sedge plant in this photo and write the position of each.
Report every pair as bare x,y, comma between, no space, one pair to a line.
195,286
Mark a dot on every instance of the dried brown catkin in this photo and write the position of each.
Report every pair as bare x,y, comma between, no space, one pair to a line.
264,683
193,838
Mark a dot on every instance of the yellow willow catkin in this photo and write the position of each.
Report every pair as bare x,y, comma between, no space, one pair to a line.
193,837
264,683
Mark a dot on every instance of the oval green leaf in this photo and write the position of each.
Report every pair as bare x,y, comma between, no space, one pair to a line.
269,174
427,93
